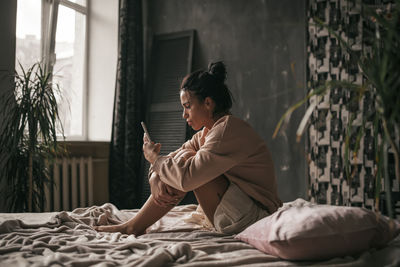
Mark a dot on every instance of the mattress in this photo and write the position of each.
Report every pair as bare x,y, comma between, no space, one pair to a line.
67,239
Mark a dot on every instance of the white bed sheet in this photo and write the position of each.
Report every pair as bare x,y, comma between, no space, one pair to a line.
66,239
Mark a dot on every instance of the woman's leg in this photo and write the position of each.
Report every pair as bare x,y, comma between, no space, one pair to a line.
147,215
210,194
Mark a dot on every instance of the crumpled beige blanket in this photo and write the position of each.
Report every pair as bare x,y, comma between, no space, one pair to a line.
67,239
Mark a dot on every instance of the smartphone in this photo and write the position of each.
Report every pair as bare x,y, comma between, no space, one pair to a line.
146,132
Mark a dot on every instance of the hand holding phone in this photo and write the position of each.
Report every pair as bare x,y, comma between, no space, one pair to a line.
146,132
150,150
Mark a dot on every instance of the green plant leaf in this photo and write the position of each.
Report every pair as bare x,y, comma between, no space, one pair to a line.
29,130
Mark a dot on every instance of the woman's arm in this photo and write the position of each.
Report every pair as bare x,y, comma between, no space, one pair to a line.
163,194
222,150
188,148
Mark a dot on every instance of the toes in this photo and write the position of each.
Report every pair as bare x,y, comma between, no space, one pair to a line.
102,228
108,228
114,228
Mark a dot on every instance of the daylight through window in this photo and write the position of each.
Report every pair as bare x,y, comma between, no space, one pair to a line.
54,32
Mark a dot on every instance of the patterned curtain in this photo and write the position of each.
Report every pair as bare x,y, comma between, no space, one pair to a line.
126,138
328,61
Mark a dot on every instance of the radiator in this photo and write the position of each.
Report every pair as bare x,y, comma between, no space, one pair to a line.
72,184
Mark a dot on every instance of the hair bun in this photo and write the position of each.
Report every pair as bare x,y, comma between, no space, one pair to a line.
218,70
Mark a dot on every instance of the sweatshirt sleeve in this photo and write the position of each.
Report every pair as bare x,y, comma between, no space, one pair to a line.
221,151
188,145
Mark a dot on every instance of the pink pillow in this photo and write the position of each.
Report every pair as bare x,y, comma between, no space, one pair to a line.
301,230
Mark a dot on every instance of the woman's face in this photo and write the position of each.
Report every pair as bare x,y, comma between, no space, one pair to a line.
196,113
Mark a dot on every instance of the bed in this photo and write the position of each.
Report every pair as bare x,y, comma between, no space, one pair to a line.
67,239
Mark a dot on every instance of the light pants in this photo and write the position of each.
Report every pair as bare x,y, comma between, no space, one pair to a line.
236,211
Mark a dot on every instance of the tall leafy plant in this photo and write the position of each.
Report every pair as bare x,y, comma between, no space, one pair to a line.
380,66
28,138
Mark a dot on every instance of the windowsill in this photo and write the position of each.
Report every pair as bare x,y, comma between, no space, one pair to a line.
95,149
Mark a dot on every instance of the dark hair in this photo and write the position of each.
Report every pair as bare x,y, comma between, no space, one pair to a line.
211,84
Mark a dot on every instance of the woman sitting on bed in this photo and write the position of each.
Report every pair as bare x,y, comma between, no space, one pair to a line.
226,163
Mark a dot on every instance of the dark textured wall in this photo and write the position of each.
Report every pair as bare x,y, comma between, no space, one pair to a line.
263,46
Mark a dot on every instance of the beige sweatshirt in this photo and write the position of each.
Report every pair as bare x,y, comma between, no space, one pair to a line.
231,148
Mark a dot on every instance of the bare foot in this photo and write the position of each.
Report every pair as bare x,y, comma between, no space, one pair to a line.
122,228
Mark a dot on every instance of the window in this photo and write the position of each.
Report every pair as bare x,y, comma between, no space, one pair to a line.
28,35
54,32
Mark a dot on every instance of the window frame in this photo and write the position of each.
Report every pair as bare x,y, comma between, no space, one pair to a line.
49,18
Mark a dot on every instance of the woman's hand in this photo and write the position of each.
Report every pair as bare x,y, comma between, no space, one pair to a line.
150,150
163,194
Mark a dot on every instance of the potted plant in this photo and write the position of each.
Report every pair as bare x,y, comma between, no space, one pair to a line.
28,138
380,67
